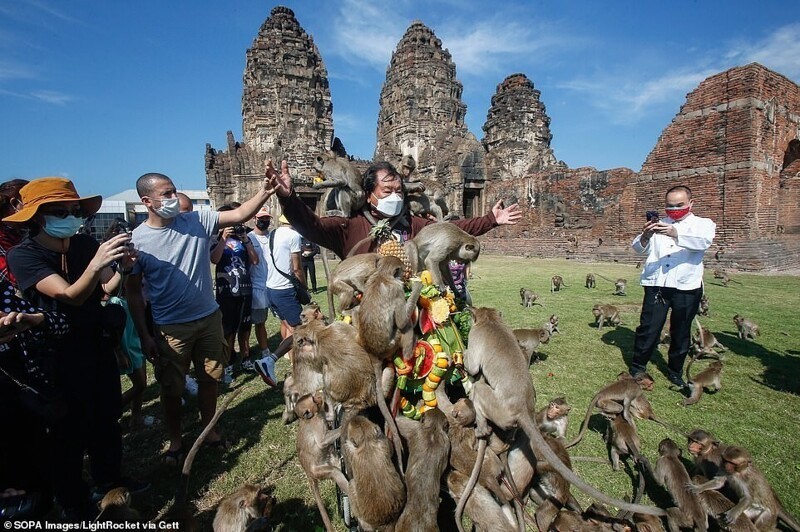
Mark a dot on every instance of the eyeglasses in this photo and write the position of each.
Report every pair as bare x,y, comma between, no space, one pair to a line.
63,212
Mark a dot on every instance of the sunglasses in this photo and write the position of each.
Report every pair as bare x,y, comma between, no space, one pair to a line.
63,212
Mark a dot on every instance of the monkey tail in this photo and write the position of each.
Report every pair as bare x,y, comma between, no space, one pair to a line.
606,278
326,267
537,442
183,485
519,506
323,513
584,425
473,479
394,433
784,516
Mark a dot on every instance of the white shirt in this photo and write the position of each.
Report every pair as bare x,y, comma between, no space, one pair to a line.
677,262
258,272
287,241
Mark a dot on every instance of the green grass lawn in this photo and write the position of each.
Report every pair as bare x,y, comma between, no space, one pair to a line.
758,406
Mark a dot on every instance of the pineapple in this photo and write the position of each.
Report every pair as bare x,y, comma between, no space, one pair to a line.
388,246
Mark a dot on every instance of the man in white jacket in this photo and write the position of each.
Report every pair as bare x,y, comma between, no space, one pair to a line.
672,279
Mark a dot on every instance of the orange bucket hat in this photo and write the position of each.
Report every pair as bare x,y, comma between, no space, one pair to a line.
51,190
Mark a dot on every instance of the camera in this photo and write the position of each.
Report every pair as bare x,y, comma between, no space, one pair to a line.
119,226
652,216
239,230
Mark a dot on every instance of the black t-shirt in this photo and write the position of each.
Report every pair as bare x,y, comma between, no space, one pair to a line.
30,262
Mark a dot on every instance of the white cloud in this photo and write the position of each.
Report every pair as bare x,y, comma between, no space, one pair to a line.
365,31
11,71
51,97
779,51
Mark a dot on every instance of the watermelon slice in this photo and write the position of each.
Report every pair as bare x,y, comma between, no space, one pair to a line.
423,367
426,324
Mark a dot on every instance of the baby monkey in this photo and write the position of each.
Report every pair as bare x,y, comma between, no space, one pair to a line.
748,329
605,313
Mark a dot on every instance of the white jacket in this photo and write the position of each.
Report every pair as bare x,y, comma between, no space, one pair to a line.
677,262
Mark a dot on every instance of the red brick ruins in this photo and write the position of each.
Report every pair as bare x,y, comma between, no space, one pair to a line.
734,142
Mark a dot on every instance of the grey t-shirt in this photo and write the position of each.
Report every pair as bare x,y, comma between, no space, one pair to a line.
175,262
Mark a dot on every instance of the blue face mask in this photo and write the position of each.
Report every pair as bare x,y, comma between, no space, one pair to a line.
62,227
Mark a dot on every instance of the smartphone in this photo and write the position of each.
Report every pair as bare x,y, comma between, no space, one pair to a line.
652,216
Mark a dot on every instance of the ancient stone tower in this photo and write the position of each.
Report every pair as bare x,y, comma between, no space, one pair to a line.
286,110
517,130
422,114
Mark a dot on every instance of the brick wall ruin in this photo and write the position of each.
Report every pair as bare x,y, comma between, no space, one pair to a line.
734,142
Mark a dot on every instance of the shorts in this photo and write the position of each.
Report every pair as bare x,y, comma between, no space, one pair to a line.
284,304
200,343
235,313
260,306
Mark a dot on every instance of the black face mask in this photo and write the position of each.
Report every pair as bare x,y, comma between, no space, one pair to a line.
262,225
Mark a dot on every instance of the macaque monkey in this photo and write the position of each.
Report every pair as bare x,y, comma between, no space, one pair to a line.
333,351
552,419
757,499
384,326
605,313
116,507
707,452
623,440
552,325
704,343
590,282
528,298
377,495
312,312
556,283
429,448
748,329
530,339
715,503
550,484
424,197
349,279
303,380
711,376
619,287
703,311
239,508
339,174
723,277
510,400
483,510
647,523
615,398
436,245
671,474
315,450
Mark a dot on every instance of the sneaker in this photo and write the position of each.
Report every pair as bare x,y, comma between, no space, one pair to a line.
248,366
227,377
191,386
677,381
265,367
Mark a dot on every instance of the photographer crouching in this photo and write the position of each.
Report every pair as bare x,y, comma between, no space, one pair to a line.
672,279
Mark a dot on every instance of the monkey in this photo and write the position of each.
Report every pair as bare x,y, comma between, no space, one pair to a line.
529,298
315,450
671,474
333,351
703,311
556,283
647,523
530,339
719,253
551,485
665,338
349,279
748,329
711,376
377,495
590,282
707,452
715,503
638,265
568,521
505,397
619,287
623,440
724,277
552,419
313,312
625,390
605,313
756,498
552,325
429,449
437,244
239,508
423,196
705,342
385,327
482,509
339,174
116,507
303,380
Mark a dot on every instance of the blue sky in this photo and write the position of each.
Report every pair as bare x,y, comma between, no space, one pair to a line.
103,91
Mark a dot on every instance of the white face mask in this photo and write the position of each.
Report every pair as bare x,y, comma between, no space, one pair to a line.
170,208
391,205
